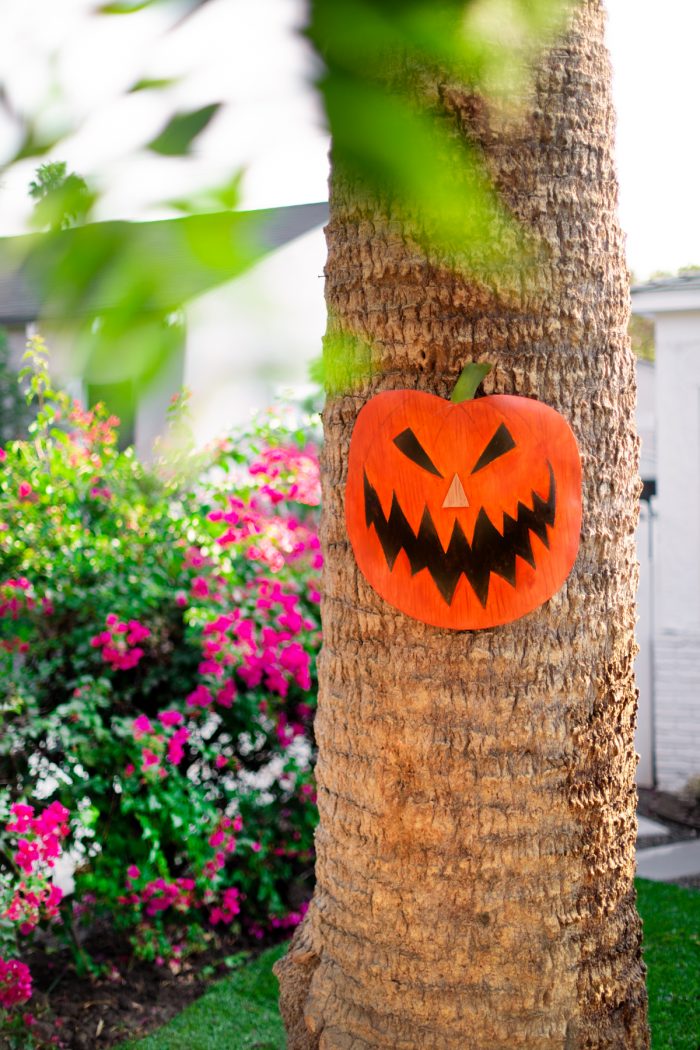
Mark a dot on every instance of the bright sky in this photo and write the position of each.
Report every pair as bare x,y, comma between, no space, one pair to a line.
62,62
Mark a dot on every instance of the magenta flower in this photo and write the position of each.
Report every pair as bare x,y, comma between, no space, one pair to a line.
171,718
200,697
141,727
148,758
227,694
200,587
15,983
23,815
176,749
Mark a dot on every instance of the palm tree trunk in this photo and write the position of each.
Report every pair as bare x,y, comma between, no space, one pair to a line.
476,790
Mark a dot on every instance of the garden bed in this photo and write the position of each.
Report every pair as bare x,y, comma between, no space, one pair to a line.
132,999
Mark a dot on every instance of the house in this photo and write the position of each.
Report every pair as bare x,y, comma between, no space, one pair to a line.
669,548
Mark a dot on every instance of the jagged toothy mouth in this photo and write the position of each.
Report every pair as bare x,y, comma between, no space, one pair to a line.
489,551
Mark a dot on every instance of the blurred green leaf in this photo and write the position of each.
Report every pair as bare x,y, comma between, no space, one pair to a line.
181,130
130,7
393,133
345,364
152,84
401,153
124,7
216,198
114,287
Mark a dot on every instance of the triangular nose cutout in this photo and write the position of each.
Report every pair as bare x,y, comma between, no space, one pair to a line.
456,496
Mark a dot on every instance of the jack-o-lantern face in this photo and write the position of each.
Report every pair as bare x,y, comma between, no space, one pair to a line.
463,515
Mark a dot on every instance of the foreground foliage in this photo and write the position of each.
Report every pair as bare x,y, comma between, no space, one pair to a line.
158,632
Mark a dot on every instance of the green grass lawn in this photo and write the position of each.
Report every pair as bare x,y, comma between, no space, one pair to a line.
672,953
240,1013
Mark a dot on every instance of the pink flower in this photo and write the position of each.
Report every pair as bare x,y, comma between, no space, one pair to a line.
176,749
181,599
200,587
200,697
149,758
100,492
23,815
25,490
256,847
141,726
52,901
171,718
15,983
104,638
3,455
229,908
132,873
210,667
226,694
220,761
137,632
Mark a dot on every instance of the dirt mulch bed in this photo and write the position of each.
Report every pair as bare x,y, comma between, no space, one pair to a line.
133,999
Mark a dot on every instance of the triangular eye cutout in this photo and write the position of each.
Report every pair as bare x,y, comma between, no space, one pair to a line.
408,443
500,443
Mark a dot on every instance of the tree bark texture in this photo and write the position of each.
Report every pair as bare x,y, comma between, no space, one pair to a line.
476,789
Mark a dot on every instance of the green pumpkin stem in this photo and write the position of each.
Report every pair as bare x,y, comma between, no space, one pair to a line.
469,381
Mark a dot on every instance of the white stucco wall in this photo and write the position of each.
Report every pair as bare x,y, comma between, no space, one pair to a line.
678,480
646,418
677,549
255,337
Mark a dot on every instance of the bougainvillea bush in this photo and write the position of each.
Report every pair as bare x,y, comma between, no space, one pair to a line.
158,633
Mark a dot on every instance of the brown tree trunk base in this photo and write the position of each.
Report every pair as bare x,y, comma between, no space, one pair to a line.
295,972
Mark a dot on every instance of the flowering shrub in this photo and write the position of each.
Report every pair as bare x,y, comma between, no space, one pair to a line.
158,639
32,843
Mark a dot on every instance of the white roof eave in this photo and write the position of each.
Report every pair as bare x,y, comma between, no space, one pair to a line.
664,301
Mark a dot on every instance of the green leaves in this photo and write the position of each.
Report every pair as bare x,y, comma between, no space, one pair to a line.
176,138
124,7
117,286
388,70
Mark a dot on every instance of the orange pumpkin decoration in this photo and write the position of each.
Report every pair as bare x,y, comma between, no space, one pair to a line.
466,513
